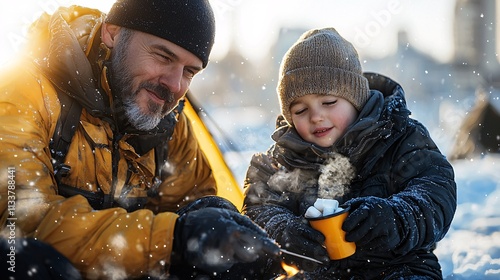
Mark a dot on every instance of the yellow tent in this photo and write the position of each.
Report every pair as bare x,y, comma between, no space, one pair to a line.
226,183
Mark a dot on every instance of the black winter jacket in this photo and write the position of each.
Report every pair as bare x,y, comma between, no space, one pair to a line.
395,158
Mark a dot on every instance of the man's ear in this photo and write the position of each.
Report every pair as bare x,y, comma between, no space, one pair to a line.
108,34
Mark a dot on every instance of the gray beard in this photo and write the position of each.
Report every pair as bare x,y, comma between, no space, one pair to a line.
137,118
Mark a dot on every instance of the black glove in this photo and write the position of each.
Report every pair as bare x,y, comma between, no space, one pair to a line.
207,201
295,235
33,259
372,224
213,239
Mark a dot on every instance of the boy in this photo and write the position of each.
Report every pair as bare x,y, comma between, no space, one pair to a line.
399,187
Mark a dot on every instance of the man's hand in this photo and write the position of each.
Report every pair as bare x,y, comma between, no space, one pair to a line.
213,239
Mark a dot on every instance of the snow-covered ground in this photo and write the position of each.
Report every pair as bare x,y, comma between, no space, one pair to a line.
471,249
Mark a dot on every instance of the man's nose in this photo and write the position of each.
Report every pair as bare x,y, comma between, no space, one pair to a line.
172,79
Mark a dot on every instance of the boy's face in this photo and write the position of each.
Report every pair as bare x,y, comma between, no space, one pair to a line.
322,119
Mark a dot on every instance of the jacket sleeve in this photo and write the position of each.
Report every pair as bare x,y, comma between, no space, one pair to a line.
269,208
257,190
97,242
427,203
189,175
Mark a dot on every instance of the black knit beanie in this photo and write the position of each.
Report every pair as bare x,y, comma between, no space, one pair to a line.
189,24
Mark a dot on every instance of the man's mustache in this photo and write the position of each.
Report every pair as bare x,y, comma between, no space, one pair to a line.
162,92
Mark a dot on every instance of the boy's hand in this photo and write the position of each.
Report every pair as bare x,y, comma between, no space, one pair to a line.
372,224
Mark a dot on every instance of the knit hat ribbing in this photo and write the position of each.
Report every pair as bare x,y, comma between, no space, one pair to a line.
321,62
189,24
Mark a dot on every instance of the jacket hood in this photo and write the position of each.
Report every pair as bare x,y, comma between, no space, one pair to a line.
379,123
60,44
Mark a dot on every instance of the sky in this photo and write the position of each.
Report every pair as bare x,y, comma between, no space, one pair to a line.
253,25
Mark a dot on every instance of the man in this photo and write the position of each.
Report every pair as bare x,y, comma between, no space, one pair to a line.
131,193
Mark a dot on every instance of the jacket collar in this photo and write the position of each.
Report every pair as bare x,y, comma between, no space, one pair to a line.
292,151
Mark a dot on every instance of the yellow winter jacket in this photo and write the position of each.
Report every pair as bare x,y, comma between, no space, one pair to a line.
101,243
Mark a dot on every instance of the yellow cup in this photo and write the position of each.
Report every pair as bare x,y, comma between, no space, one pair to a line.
331,227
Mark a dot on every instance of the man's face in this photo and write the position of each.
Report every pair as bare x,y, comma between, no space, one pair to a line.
150,74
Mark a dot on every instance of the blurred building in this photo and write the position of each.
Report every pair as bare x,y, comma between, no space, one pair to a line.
477,46
476,42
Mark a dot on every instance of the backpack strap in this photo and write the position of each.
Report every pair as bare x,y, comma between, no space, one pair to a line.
66,126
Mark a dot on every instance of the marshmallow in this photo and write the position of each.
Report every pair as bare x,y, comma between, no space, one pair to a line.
328,210
323,207
312,212
322,203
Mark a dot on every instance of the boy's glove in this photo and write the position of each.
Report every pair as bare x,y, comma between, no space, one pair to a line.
372,224
213,239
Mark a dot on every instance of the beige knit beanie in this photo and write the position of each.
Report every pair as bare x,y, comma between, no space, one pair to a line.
321,62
